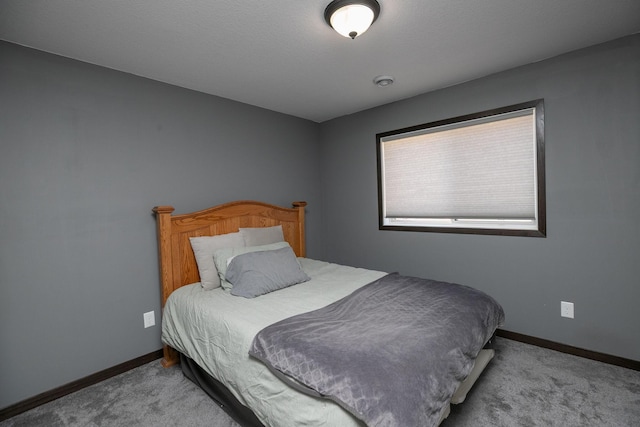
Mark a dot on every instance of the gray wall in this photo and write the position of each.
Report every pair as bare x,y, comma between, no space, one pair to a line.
591,256
85,154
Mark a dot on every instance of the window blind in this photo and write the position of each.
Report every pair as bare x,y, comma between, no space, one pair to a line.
482,169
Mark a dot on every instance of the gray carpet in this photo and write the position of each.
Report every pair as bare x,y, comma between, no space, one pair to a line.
523,386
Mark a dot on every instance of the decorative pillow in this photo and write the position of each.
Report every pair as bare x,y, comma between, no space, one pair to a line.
258,273
262,235
222,258
203,249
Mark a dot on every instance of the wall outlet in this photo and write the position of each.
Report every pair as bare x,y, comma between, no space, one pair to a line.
566,309
149,319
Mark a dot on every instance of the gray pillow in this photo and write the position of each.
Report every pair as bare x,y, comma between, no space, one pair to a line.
262,235
222,258
257,273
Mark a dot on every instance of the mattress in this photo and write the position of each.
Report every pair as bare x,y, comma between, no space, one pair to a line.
215,329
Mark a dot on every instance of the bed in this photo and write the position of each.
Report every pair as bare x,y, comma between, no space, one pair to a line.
226,338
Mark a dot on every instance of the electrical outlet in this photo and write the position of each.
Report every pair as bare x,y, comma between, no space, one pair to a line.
149,319
566,309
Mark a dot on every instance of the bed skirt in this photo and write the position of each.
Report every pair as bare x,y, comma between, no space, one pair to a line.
219,393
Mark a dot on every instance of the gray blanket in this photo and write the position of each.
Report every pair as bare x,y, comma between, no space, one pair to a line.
392,353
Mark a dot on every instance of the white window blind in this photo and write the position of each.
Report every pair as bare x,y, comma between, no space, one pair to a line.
482,170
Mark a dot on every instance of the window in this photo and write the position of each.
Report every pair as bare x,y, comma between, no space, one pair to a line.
482,173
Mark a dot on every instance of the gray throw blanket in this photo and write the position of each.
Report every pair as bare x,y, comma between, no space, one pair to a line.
392,353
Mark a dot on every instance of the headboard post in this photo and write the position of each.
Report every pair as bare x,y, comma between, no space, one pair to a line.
300,206
163,214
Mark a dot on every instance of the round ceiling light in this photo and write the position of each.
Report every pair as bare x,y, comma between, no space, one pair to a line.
351,18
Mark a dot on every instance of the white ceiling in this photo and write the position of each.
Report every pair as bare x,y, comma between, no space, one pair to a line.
281,55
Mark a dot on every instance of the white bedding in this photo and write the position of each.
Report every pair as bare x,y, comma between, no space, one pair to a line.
215,329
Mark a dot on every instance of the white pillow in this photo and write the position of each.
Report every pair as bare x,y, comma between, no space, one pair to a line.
222,258
204,248
262,235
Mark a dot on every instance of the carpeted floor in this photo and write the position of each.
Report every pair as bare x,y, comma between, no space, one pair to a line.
530,386
523,386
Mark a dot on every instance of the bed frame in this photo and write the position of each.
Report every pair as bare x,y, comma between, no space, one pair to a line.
177,262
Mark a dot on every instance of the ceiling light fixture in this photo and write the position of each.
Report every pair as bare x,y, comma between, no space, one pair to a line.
351,18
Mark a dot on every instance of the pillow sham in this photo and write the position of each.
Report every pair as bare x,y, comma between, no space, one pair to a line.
204,248
262,235
258,273
222,257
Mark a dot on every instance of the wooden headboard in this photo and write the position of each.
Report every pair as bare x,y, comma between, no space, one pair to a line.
177,262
